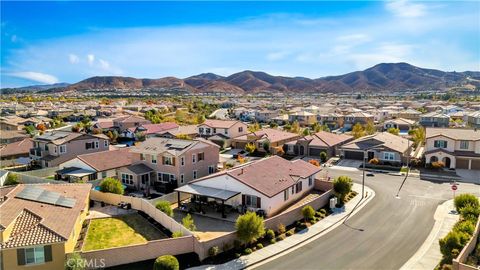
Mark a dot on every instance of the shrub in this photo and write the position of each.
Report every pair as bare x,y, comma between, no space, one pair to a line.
273,241
281,228
247,251
250,148
270,234
111,185
314,162
289,233
447,267
238,255
323,156
12,179
300,227
75,261
188,223
463,200
259,246
470,212
213,251
166,262
249,227
453,240
437,165
323,211
342,186
237,244
165,207
226,246
466,226
374,161
281,237
177,234
308,212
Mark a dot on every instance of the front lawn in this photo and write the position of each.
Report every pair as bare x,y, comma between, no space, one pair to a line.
119,231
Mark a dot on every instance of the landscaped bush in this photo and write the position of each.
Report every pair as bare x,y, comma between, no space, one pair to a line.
342,186
300,227
213,251
323,211
289,233
111,185
281,228
177,234
314,162
12,179
270,234
259,246
437,165
374,161
273,241
470,212
453,240
247,251
188,223
308,212
165,207
323,156
166,262
463,200
281,237
466,226
249,227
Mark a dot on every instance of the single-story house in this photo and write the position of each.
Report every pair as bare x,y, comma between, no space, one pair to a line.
274,137
313,145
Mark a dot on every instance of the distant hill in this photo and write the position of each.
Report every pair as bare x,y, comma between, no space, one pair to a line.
34,88
385,77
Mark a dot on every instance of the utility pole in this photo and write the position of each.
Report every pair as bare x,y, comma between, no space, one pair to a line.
363,178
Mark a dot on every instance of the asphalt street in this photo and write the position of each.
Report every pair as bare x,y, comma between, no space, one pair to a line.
384,234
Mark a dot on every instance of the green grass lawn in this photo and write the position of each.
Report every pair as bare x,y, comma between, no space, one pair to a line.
51,177
119,231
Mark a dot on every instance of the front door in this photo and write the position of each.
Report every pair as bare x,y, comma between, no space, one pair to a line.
371,155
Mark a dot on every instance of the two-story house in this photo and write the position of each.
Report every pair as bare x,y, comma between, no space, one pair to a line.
331,120
122,124
55,147
434,119
456,148
303,118
473,119
221,131
169,163
357,117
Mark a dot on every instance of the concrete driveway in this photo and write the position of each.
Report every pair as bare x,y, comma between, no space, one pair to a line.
471,176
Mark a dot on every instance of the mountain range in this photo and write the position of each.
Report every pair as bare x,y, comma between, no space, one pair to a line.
385,77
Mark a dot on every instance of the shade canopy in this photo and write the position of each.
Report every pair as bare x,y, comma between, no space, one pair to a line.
215,193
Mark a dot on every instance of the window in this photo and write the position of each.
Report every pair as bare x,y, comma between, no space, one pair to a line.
240,129
127,179
298,186
388,156
285,194
464,145
182,161
211,169
214,130
293,189
201,156
310,180
62,149
35,255
142,156
96,144
92,177
104,174
91,145
172,178
167,161
194,158
194,174
200,130
207,130
440,144
154,159
182,178
226,132
166,177
105,143
251,201
46,147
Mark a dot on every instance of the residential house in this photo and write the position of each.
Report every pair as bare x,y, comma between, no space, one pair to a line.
173,162
11,122
357,117
10,136
149,130
409,114
331,120
456,148
122,124
389,149
434,119
92,166
303,118
473,119
313,145
15,150
190,131
271,184
40,224
265,116
56,147
404,125
274,138
221,131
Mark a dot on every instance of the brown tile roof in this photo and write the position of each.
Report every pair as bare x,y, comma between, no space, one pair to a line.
155,128
130,119
379,140
327,139
16,148
219,123
106,160
456,134
55,221
11,134
273,135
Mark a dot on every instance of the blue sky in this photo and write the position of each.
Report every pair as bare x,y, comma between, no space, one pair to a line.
64,41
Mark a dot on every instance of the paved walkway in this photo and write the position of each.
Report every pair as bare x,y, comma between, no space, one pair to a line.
299,239
428,255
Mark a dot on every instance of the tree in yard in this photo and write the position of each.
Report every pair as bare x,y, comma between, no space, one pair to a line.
454,240
111,185
418,136
314,162
358,131
342,185
295,127
188,223
183,137
266,146
308,212
30,130
41,127
12,179
306,132
394,131
254,127
323,156
370,128
463,200
200,118
250,148
273,125
166,262
165,207
249,227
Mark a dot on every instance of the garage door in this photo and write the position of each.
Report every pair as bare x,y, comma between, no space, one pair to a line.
462,163
316,152
475,164
353,155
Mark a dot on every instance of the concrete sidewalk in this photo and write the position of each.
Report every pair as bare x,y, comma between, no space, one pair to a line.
299,239
428,255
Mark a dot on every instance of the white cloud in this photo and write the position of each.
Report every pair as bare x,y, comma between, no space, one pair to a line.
406,9
104,64
90,59
73,58
275,56
35,76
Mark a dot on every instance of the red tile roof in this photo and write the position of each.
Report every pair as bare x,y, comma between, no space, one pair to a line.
17,148
107,160
219,123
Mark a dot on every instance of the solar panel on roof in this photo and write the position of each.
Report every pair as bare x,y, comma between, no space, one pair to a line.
44,196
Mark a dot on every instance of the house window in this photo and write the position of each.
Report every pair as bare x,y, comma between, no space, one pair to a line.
194,174
194,158
142,156
62,149
389,156
104,174
214,130
285,194
96,144
240,129
182,161
251,201
182,178
92,177
440,144
464,145
172,178
310,180
226,132
154,159
35,255
211,169
127,179
46,147
298,186
293,189
164,177
105,143
207,130
167,161
201,156
200,130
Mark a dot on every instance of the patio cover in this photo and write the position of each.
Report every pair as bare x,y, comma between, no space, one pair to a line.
74,171
215,193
